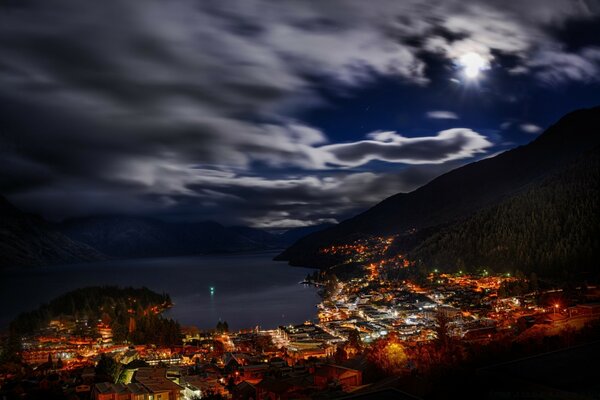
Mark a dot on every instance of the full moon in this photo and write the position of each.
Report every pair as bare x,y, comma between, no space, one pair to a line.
472,64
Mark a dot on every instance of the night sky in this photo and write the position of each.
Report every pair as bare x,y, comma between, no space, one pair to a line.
274,114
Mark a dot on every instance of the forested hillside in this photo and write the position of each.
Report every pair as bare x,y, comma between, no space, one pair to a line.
112,305
551,228
493,211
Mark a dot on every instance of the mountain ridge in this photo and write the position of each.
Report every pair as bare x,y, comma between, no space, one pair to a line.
27,240
131,236
550,228
460,192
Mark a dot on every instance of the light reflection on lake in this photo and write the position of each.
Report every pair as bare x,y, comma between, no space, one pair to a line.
248,289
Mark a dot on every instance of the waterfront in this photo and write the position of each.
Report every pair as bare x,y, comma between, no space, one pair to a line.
248,289
378,321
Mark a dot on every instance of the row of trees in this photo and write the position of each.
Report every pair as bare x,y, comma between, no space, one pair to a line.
155,329
520,286
222,327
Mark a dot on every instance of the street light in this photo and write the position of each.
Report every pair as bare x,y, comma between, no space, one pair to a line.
556,307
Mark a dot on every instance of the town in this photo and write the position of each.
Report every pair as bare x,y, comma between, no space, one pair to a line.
374,318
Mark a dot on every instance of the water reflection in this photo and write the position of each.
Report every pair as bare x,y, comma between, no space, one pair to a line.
244,290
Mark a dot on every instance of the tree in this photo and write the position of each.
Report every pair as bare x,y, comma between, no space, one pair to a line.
354,340
533,282
388,355
441,330
331,285
210,395
230,384
108,367
11,350
340,355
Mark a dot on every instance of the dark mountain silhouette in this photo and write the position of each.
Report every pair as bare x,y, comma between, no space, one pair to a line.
461,193
551,228
126,236
27,240
292,235
260,237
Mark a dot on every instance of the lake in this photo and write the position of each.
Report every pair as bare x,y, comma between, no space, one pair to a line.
248,289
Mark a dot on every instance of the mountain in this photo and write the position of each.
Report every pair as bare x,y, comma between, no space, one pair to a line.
451,198
260,237
125,237
27,241
278,240
550,228
292,235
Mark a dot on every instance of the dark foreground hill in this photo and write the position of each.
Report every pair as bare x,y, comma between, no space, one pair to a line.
27,240
426,218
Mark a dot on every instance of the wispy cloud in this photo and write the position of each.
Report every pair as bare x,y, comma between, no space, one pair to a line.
447,145
556,66
530,128
130,98
441,115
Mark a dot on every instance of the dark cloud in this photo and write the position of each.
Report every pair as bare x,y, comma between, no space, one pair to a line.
576,34
113,105
291,202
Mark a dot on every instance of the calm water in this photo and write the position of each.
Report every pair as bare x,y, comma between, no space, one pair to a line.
249,289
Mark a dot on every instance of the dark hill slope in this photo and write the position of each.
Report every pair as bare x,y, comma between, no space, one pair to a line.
27,241
292,235
461,192
552,228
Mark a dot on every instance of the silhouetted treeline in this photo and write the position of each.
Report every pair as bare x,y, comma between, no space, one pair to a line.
156,329
222,327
